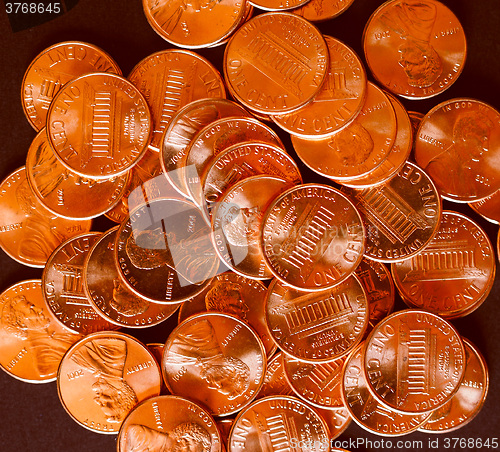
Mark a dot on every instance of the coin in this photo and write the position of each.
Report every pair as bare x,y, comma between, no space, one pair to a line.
453,274
468,400
64,192
488,208
103,376
29,233
236,295
319,326
169,423
275,63
274,421
110,297
320,10
171,79
313,237
277,5
401,215
99,125
55,66
457,146
358,148
367,411
339,100
62,282
337,420
414,361
194,24
182,129
237,223
275,382
220,356
415,49
32,343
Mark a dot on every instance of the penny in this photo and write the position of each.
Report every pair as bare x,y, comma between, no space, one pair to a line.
103,376
243,160
457,144
277,5
337,420
183,127
194,25
171,79
275,63
236,295
215,138
110,297
29,233
157,350
169,423
317,327
321,10
377,281
488,208
54,67
414,361
398,155
237,222
274,421
220,356
339,100
313,237
401,215
358,148
64,192
275,381
468,400
32,343
63,288
99,125
453,274
317,384
415,49
164,251
367,411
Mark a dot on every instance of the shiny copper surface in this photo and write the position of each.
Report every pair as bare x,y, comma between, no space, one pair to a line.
275,381
320,10
488,208
277,5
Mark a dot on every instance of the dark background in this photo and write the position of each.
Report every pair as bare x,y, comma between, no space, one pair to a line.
32,418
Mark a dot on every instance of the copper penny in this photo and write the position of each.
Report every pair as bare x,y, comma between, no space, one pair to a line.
358,148
337,420
236,295
277,5
401,215
453,274
99,125
243,160
220,356
367,411
416,49
318,384
488,208
320,10
237,222
171,79
169,423
275,63
272,422
468,400
320,326
215,138
194,24
64,192
275,381
313,237
103,376
32,343
110,297
62,281
55,66
29,233
339,100
164,251
157,350
379,288
458,145
398,155
183,127
414,361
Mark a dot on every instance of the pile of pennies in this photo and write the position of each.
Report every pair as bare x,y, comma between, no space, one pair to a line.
284,288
